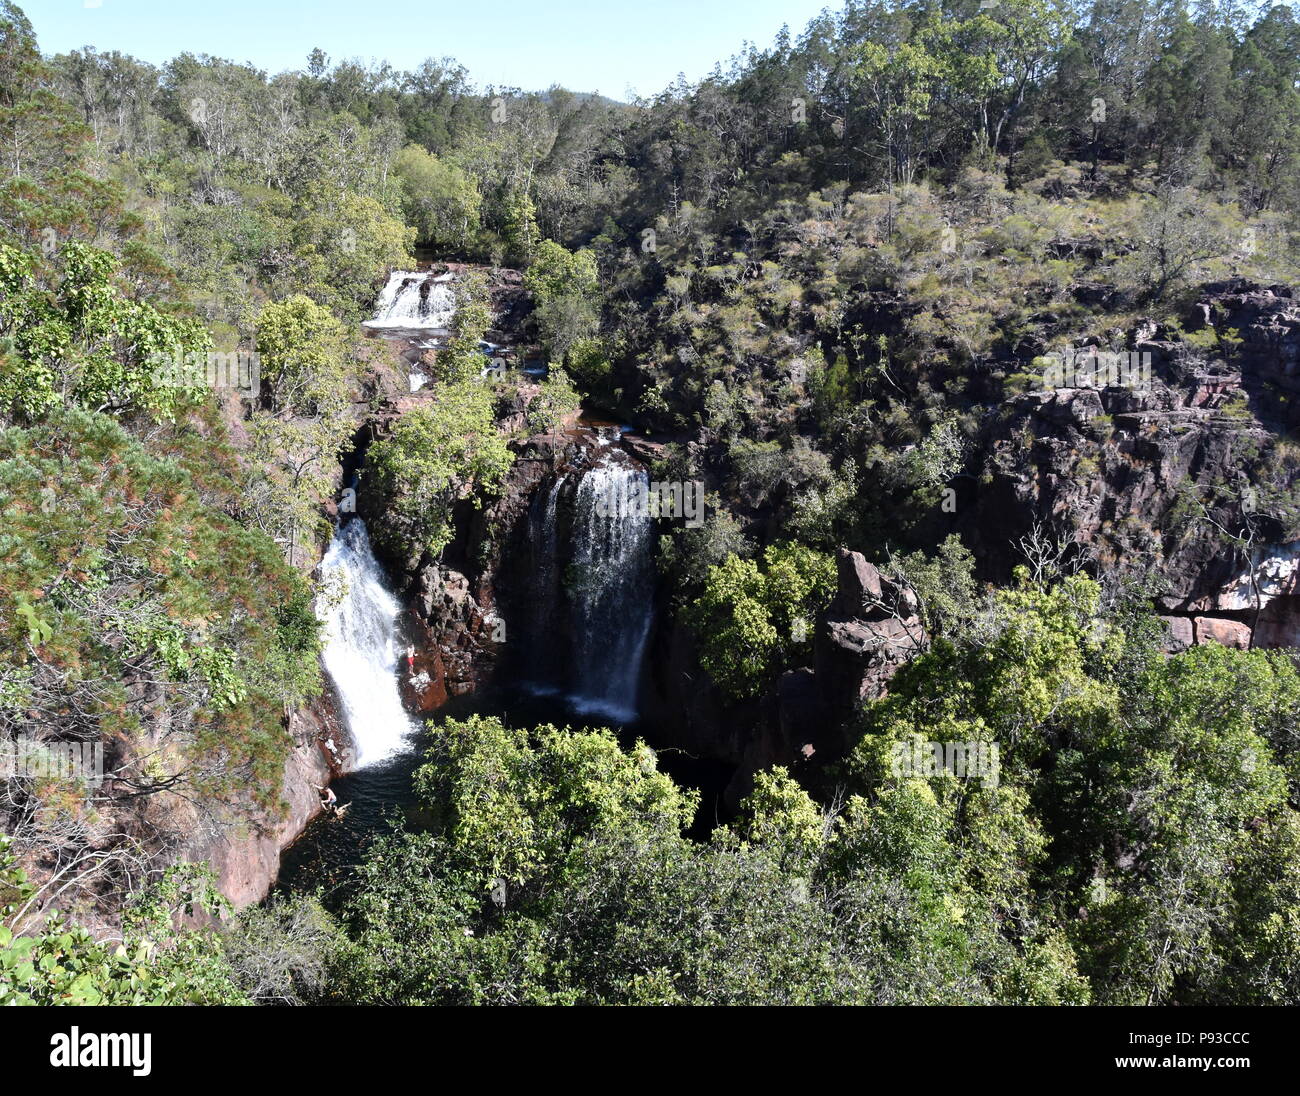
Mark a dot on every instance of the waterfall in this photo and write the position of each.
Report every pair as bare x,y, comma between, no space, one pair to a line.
611,586
413,300
361,644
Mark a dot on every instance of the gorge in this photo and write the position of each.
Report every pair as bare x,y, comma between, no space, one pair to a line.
975,335
560,621
575,615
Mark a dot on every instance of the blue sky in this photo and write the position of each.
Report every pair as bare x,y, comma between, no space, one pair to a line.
609,46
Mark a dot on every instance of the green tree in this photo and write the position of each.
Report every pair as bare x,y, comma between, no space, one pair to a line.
49,191
439,199
439,452
344,241
557,872
136,575
555,402
1176,234
566,293
519,227
463,359
70,336
749,621
310,367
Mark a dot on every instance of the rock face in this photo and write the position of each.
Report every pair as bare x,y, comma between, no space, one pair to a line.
870,629
247,860
460,636
1267,321
1228,633
1177,481
511,304
470,616
243,844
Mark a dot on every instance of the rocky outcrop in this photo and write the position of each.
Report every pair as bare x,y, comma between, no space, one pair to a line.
1266,320
870,629
242,842
458,638
246,856
1178,482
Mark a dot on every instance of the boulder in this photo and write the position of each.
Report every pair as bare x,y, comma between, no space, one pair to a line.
1229,633
1181,633
868,631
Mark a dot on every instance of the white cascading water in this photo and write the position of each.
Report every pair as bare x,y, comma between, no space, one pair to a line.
402,305
613,589
361,645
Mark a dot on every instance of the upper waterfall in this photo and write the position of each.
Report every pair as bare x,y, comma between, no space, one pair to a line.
414,300
361,652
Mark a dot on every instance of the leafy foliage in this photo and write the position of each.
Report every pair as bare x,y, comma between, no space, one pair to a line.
439,199
441,451
70,337
154,964
751,621
557,873
311,368
1161,783
115,570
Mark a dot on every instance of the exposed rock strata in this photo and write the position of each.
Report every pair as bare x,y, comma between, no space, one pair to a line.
1179,483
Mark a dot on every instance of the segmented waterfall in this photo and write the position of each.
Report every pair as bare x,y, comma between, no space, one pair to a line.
361,650
413,300
610,588
590,586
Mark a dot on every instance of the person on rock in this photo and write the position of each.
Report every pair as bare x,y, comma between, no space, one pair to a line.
330,802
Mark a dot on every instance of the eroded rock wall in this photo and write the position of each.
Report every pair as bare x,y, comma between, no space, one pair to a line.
1180,484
